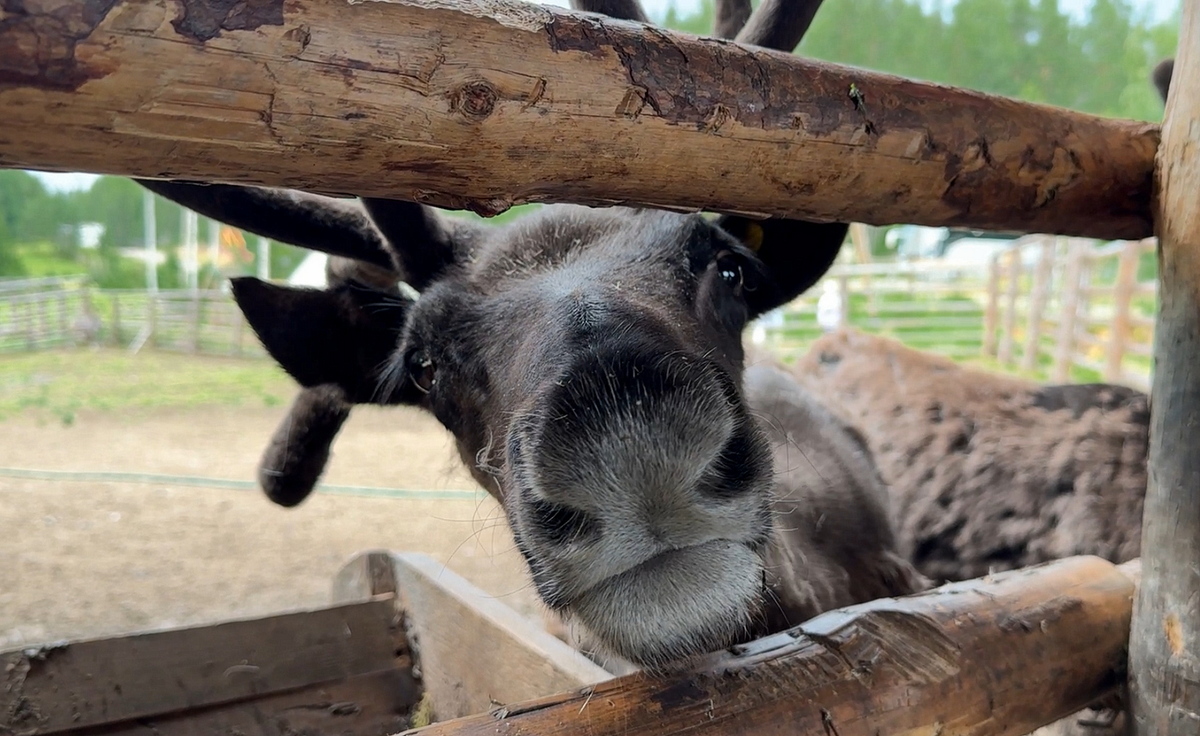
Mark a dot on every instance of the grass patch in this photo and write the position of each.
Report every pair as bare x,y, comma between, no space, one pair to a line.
60,383
41,259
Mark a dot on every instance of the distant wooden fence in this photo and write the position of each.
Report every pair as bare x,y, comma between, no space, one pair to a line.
1073,311
1063,309
38,314
928,305
1058,309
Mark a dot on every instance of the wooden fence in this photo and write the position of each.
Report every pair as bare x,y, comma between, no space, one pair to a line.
1054,308
1074,311
65,312
929,305
1061,309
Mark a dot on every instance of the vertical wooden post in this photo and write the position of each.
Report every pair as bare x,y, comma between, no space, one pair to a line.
860,238
1065,349
1127,264
1037,304
991,315
116,322
152,316
64,327
194,327
1010,314
844,298
1164,649
44,332
29,322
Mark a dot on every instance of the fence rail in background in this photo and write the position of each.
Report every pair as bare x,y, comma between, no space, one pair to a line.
1060,309
928,305
40,314
1071,310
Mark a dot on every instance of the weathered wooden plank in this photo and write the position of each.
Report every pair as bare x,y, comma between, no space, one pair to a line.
485,104
1164,649
472,650
998,656
74,685
367,574
377,704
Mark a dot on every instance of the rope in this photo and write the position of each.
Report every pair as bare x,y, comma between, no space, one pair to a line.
225,483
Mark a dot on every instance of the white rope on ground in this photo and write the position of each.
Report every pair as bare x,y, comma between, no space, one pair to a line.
226,483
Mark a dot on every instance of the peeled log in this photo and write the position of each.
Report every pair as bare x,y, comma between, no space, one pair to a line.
990,657
1164,647
483,104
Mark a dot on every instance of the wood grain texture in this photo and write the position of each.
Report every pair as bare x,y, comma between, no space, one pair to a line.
1164,650
483,104
75,685
990,657
474,652
377,704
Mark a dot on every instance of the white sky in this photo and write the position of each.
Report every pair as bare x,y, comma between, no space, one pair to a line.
1158,10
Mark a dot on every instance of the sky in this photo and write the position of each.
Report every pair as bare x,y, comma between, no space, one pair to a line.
1158,10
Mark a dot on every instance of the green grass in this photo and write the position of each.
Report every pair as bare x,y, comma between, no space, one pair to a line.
60,383
42,259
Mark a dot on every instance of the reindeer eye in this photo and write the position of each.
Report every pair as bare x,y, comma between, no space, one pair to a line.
730,269
422,371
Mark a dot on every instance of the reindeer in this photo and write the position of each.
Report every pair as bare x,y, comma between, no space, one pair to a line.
988,472
589,363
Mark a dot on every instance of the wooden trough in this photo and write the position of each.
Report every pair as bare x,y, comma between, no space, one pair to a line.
406,640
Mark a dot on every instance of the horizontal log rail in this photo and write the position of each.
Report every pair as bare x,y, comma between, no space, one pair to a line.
482,105
998,656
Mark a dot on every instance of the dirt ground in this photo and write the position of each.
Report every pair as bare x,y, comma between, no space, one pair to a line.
84,559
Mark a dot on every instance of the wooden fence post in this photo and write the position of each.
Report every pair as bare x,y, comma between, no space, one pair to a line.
1010,315
194,326
63,324
1065,349
116,320
1038,297
152,317
991,315
1127,264
1164,648
843,283
43,301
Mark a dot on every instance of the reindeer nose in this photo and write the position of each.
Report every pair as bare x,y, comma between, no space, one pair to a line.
633,443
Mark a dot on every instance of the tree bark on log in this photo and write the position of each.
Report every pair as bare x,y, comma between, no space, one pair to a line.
1164,650
990,657
482,104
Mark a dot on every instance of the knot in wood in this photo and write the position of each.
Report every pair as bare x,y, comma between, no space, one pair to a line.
476,100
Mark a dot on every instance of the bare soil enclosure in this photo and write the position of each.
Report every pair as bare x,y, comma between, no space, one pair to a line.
86,558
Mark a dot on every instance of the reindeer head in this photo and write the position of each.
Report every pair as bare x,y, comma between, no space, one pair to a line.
588,363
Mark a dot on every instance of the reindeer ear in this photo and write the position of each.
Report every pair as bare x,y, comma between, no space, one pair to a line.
424,242
796,255
342,336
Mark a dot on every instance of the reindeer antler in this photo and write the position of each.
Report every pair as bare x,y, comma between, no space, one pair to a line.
775,24
334,226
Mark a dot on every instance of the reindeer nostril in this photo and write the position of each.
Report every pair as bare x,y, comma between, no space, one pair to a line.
561,524
738,468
